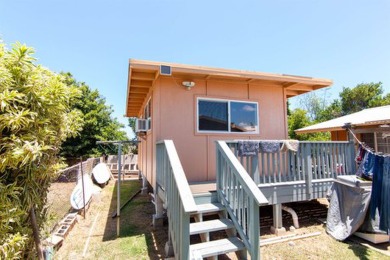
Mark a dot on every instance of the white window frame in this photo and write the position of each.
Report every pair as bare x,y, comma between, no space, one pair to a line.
148,113
228,101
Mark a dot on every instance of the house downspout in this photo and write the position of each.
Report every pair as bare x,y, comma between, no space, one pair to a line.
293,215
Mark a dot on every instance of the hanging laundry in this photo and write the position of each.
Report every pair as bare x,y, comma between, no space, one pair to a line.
376,167
369,166
384,222
292,145
376,190
360,154
360,171
270,146
248,148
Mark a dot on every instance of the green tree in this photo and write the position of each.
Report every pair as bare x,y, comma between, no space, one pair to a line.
330,112
132,123
299,119
386,100
364,95
35,118
98,124
314,103
133,148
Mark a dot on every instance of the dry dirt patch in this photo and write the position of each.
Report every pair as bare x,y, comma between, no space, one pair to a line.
95,236
138,239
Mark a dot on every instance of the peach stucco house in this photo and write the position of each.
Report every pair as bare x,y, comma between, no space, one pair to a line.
173,109
190,122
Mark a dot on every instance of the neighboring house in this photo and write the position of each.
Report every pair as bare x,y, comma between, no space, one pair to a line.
190,119
371,126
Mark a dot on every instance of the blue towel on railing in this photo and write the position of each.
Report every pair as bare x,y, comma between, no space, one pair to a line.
248,148
270,146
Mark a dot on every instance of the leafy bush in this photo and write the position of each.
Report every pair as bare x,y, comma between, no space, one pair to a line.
35,118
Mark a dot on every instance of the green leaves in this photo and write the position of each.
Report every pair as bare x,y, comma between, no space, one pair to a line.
362,96
97,123
36,116
11,215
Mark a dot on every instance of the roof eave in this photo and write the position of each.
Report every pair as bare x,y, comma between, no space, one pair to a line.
293,85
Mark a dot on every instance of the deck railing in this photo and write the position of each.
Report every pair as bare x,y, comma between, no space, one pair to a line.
179,200
312,161
241,196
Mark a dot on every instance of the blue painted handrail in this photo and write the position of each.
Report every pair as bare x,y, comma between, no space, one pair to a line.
312,161
241,197
179,201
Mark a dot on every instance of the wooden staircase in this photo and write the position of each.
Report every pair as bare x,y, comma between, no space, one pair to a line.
213,248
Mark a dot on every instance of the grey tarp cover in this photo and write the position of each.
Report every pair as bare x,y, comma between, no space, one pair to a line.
347,210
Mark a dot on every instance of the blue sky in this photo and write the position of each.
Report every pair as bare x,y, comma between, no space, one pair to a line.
346,41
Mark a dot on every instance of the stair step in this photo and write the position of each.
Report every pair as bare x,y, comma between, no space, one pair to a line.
217,247
210,207
210,226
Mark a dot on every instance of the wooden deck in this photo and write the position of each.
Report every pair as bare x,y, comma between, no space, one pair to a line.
203,187
283,192
245,183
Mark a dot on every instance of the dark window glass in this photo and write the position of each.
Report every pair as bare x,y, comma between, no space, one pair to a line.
243,117
213,115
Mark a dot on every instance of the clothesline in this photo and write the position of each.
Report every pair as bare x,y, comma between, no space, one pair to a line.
365,146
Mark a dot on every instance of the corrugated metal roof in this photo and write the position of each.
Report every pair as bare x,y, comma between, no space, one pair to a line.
370,116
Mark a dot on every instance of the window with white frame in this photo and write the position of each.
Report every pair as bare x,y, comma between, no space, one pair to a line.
231,116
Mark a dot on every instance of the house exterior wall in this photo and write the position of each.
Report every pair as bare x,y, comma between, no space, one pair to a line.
174,116
339,135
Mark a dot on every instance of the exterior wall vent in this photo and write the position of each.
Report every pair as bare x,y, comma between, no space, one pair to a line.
165,70
141,125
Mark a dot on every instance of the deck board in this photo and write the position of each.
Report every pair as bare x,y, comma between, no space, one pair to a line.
282,192
203,187
217,247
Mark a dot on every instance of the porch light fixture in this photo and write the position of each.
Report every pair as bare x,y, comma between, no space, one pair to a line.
188,84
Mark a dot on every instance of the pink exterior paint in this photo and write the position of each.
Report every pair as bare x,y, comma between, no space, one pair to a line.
174,109
174,116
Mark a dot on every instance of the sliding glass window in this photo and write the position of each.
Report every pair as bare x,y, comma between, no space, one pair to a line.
216,115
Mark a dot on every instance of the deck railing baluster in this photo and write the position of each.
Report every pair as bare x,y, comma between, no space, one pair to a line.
278,166
327,170
292,165
300,161
255,169
180,202
245,217
264,180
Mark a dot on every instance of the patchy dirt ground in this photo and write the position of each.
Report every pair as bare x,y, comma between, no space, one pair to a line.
95,236
58,202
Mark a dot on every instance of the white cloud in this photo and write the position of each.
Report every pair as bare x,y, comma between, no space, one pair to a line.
248,108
